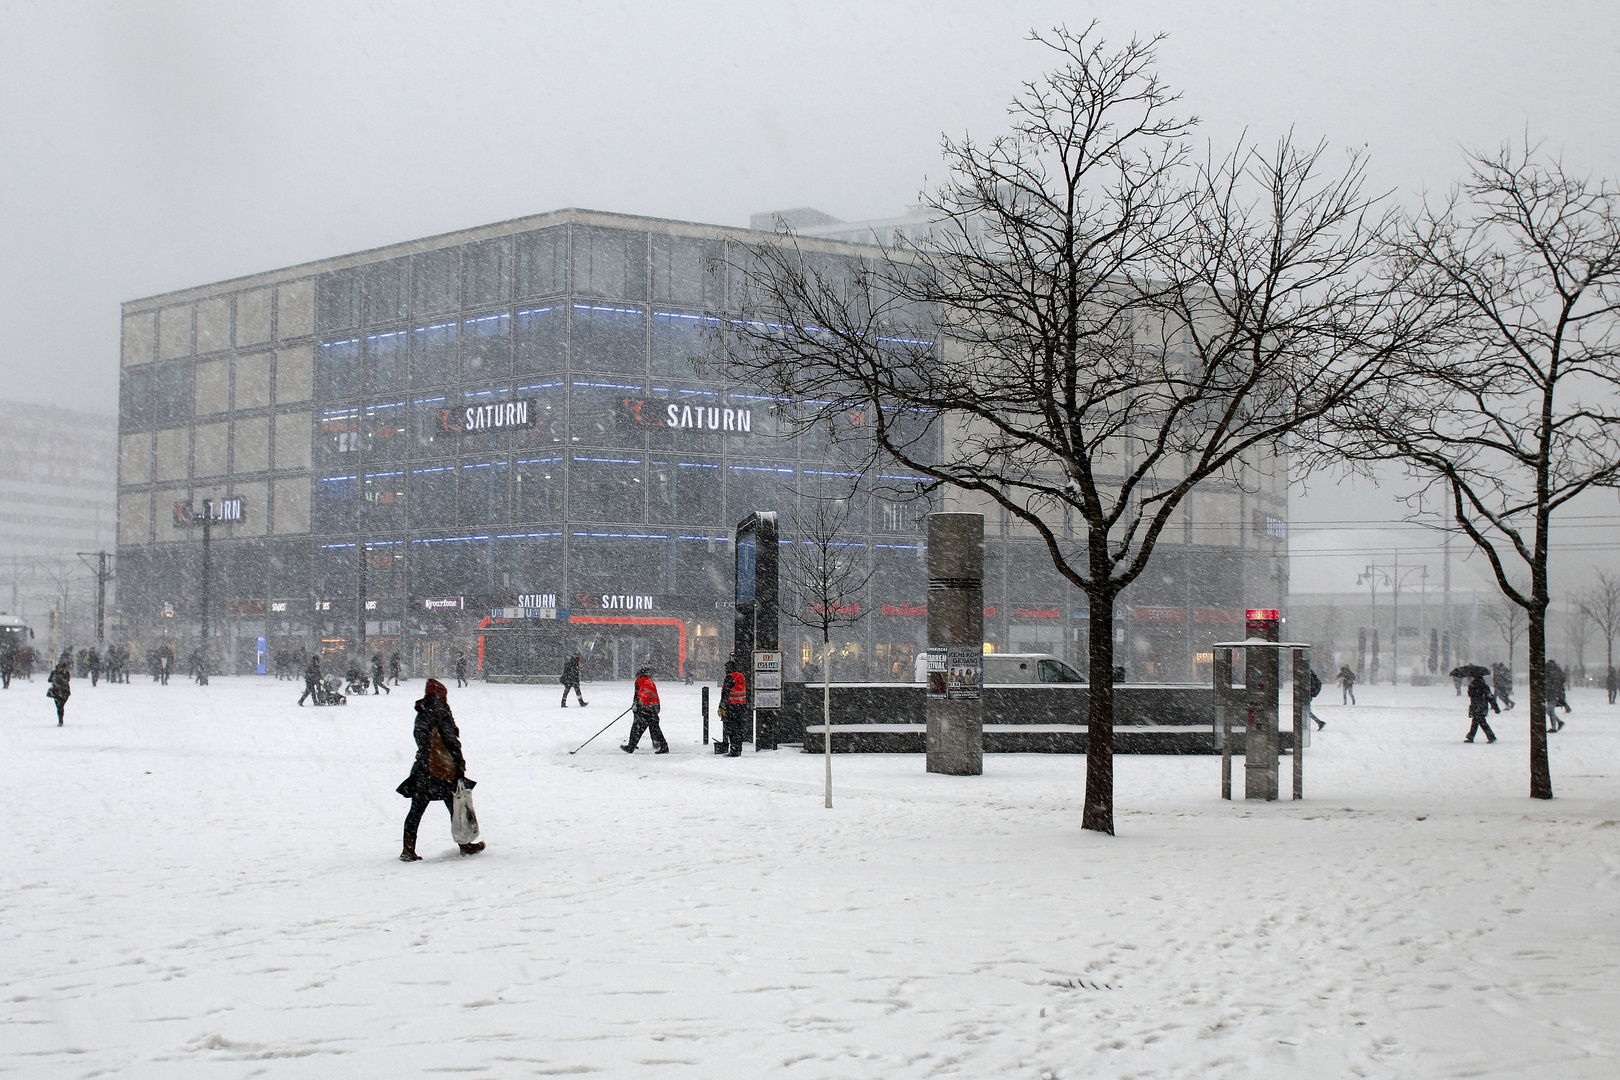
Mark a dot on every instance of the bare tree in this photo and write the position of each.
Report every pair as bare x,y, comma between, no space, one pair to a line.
1509,622
1517,416
1601,604
1098,325
1577,632
827,576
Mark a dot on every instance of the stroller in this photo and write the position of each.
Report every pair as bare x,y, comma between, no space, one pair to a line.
327,693
357,681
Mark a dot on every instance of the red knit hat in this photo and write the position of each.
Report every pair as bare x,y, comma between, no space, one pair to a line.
435,688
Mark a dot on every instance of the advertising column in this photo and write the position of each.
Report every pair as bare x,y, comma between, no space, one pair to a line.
1260,677
955,644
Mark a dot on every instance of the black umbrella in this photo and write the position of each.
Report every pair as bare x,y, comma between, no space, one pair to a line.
1468,671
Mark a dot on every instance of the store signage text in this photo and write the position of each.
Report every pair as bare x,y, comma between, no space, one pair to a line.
903,608
497,416
615,602
652,413
442,603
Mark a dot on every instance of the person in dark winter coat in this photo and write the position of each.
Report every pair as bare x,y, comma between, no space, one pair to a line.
312,681
1313,686
1555,695
1502,683
378,682
461,669
1479,699
92,661
733,710
393,667
438,768
570,678
645,704
1347,680
1613,684
8,664
61,680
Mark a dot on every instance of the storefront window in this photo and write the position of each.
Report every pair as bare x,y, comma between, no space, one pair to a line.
696,425
488,273
537,488
434,279
679,340
486,346
606,487
451,566
384,497
618,562
431,496
383,429
431,430
385,361
528,563
433,354
758,487
337,439
549,404
609,338
598,415
540,336
610,262
336,578
541,262
337,369
684,491
481,498
335,498
704,566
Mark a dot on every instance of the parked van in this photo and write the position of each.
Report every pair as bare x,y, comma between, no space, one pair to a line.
1011,669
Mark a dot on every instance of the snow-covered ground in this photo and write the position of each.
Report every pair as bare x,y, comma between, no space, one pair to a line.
203,882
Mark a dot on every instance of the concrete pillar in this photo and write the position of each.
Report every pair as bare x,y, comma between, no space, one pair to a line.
956,624
1260,679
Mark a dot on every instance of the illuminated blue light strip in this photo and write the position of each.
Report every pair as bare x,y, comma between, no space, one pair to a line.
449,539
609,385
444,468
524,536
685,315
617,310
337,479
538,460
626,536
610,460
762,468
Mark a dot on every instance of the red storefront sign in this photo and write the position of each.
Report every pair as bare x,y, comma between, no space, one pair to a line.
1037,613
1217,615
904,608
1160,614
838,609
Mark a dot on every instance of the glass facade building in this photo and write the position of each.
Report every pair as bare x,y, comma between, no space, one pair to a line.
453,439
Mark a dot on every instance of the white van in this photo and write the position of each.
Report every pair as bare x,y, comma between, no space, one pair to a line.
1011,669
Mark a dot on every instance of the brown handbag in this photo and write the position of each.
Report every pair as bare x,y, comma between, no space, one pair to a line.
440,763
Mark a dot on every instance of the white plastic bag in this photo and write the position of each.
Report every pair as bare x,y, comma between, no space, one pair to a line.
463,819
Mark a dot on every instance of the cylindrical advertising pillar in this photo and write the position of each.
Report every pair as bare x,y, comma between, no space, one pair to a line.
1260,678
955,644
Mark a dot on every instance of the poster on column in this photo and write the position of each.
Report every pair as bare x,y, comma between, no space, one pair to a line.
965,679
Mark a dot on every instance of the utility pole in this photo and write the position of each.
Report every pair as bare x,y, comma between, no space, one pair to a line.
102,577
207,573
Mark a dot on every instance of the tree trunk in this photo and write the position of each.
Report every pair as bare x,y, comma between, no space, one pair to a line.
1099,811
826,710
1540,770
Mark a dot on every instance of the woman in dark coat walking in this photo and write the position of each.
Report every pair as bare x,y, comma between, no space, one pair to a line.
61,680
438,767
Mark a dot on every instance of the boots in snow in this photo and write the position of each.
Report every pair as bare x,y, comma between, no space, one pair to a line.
409,853
473,848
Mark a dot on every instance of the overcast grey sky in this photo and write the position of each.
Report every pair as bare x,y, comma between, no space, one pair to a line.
148,146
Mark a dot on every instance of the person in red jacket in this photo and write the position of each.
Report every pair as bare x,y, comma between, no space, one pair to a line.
646,707
734,702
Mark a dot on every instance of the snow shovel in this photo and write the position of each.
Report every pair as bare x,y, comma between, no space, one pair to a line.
592,739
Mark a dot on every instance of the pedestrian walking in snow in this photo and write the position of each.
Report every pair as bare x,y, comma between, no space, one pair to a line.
312,681
645,704
165,665
461,670
92,662
378,683
61,680
438,768
1347,681
733,710
1612,683
1555,690
570,678
8,664
1502,683
393,667
1479,699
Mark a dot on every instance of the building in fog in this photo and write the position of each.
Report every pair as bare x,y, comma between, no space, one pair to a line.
58,497
498,441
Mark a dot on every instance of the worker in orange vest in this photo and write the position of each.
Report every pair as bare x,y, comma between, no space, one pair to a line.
734,714
646,707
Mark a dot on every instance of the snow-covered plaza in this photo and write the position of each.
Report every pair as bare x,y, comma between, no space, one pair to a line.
204,882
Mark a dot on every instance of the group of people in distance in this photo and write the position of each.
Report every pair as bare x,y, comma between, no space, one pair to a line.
1483,698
